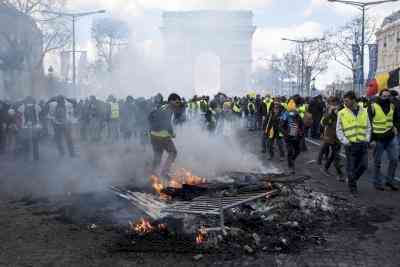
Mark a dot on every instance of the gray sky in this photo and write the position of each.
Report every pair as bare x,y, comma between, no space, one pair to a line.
274,18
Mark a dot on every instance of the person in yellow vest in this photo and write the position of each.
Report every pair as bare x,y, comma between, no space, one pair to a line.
162,134
251,107
113,121
272,133
353,129
385,120
236,107
292,128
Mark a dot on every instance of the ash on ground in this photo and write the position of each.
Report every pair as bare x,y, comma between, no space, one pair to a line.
294,219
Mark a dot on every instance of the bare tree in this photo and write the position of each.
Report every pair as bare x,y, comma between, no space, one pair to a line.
316,57
311,56
55,31
109,35
341,40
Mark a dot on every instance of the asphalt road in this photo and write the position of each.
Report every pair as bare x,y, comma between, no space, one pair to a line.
34,234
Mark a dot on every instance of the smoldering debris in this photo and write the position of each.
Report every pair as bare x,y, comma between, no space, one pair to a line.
294,219
289,222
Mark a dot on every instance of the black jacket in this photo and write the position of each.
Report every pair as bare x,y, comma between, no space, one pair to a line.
160,119
396,121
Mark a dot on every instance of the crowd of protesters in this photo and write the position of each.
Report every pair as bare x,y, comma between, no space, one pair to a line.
347,124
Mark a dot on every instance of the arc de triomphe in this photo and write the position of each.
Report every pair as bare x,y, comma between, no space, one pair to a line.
227,34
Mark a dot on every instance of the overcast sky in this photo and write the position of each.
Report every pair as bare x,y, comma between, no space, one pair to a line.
274,19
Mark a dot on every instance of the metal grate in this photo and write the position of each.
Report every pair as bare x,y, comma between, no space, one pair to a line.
149,204
203,205
208,205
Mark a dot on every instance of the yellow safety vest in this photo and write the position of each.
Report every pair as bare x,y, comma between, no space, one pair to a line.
354,128
382,122
114,110
302,110
251,106
162,133
236,108
268,103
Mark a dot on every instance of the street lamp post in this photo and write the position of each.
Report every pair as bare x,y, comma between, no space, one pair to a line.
279,84
363,7
74,17
302,43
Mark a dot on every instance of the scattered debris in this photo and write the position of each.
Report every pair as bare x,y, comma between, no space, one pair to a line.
257,239
198,257
92,227
248,249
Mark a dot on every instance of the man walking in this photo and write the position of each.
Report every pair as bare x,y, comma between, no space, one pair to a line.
331,144
62,124
161,134
30,130
384,116
292,127
353,129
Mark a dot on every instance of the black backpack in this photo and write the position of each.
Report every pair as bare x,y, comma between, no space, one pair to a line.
156,118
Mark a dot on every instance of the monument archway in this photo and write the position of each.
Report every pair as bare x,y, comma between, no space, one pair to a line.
207,74
227,34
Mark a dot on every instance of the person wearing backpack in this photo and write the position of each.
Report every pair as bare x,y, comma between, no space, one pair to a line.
331,144
292,127
62,124
162,134
29,132
271,134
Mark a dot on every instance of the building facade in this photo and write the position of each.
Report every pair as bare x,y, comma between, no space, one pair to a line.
388,41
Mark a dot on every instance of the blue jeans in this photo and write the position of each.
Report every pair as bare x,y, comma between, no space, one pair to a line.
251,121
391,149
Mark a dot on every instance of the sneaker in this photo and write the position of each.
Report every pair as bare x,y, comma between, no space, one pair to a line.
379,187
392,187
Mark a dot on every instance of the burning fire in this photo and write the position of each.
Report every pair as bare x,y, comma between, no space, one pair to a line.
178,179
143,226
157,183
201,236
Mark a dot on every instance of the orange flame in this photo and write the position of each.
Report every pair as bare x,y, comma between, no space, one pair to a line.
178,179
157,183
201,236
142,227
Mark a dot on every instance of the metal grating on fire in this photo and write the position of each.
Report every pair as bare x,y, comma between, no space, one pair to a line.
211,205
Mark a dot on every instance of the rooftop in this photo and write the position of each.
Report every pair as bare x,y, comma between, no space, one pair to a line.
391,18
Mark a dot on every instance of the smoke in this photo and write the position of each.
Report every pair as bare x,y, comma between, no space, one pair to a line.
209,154
132,7
141,69
129,163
